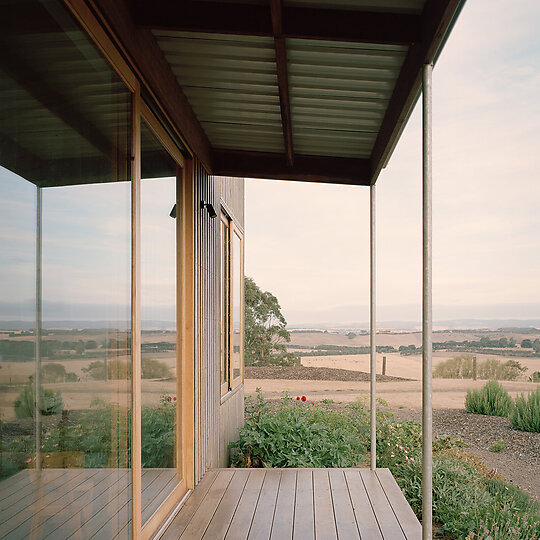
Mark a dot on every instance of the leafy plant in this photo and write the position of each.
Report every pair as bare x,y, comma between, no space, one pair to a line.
499,446
462,367
52,372
49,402
158,433
154,369
298,434
492,399
526,413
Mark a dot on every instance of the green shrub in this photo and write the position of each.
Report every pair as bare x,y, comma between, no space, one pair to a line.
462,367
116,369
52,372
49,403
301,435
470,503
154,369
535,377
499,446
492,400
458,367
158,434
526,413
120,369
501,371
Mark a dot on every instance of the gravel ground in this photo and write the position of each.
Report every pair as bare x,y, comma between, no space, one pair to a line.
518,462
303,373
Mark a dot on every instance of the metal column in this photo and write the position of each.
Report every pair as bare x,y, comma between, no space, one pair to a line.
427,458
37,375
372,329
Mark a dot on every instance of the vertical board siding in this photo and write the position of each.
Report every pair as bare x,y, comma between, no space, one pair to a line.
215,424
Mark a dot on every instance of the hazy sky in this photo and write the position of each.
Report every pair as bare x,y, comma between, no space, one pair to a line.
309,243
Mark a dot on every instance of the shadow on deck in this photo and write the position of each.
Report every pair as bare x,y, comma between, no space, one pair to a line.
300,504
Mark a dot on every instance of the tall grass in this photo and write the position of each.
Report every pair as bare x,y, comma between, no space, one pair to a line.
526,413
492,400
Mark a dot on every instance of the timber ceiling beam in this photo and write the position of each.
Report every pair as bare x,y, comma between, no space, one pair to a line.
437,19
283,78
298,22
323,169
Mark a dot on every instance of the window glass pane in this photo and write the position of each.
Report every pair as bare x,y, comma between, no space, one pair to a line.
225,302
158,323
237,285
65,290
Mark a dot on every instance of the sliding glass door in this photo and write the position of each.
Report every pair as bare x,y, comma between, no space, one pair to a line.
93,386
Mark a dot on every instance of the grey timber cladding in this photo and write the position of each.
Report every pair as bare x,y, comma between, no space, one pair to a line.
215,424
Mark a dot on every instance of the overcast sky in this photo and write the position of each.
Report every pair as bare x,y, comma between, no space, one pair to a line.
308,243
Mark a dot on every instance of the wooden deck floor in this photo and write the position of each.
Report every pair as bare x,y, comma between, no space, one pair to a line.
58,504
299,504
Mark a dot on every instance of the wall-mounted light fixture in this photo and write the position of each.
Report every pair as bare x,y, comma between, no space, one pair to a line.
210,207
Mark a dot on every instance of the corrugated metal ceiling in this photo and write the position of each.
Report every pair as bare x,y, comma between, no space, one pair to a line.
338,90
231,83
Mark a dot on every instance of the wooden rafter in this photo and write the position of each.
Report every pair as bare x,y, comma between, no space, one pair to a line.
436,19
147,60
283,78
324,169
298,22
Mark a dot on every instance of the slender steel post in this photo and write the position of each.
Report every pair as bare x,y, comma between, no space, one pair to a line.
372,330
427,458
37,376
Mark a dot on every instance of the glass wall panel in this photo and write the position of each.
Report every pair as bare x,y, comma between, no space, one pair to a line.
158,323
65,291
237,295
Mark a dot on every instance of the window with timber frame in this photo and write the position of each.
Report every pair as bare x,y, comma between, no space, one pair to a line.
232,304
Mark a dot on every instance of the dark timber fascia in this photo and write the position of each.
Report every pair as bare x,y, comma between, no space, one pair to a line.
323,169
437,18
283,78
148,61
298,22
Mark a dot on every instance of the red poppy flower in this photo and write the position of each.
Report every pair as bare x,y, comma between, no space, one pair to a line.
304,398
174,398
169,398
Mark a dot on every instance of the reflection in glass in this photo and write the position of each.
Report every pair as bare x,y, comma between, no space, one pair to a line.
158,323
237,286
65,291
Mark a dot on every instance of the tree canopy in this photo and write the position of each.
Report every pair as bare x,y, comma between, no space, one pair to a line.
265,329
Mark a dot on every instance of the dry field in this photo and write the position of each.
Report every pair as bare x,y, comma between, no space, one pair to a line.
447,393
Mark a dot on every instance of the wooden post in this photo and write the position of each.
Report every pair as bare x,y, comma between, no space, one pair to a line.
474,368
384,365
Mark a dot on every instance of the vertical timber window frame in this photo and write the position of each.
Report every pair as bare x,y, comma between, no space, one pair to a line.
183,358
100,34
232,303
225,241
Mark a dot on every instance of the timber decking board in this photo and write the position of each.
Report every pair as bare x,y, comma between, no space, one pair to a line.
75,503
404,514
232,504
304,517
299,504
239,527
